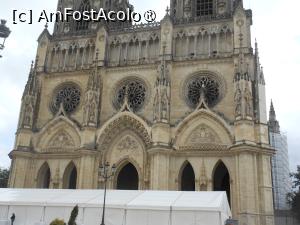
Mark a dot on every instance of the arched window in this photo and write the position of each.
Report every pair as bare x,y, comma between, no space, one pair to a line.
221,179
44,176
70,177
204,7
128,178
187,178
83,24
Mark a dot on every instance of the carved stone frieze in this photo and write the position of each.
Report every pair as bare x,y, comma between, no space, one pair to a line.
205,147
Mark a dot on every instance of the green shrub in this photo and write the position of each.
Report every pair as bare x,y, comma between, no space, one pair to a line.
57,222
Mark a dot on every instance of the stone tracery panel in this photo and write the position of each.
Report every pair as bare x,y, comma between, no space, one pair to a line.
69,95
60,142
126,147
136,91
203,83
203,130
202,134
140,47
71,55
206,42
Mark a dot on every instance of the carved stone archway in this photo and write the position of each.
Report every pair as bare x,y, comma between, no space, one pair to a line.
120,123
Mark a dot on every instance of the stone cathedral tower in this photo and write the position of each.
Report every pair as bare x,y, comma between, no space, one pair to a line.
176,105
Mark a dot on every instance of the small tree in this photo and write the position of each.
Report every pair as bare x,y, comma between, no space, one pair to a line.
4,175
294,196
74,214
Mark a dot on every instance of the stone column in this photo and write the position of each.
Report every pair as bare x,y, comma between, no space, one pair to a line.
87,175
160,160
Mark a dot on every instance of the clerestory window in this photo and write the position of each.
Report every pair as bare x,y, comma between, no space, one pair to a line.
204,7
84,7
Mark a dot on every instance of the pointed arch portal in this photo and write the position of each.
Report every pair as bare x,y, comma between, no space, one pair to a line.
221,179
70,177
44,176
128,178
188,178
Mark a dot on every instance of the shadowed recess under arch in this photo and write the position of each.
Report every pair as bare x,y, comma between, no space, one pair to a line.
70,177
221,179
44,176
187,179
128,178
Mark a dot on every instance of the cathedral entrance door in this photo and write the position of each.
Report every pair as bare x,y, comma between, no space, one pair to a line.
128,178
70,177
221,179
44,175
188,178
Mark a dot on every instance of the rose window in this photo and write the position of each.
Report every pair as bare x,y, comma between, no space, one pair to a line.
202,84
136,94
68,96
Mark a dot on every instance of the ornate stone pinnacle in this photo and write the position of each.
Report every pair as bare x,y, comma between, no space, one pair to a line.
32,66
167,10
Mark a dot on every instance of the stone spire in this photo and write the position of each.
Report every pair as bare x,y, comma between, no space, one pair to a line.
92,97
261,77
162,93
259,91
31,85
273,123
29,99
259,73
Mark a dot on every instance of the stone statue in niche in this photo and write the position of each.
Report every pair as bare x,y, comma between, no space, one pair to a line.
56,179
187,3
238,102
164,105
156,107
92,115
28,115
221,6
248,102
187,8
90,110
28,112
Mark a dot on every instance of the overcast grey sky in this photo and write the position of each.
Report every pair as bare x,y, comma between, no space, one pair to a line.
276,27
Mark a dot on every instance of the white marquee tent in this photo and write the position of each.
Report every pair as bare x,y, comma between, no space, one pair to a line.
41,206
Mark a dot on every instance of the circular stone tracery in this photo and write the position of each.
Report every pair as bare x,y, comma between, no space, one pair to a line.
68,95
202,83
136,94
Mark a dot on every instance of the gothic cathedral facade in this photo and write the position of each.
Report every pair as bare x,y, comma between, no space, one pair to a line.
176,105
